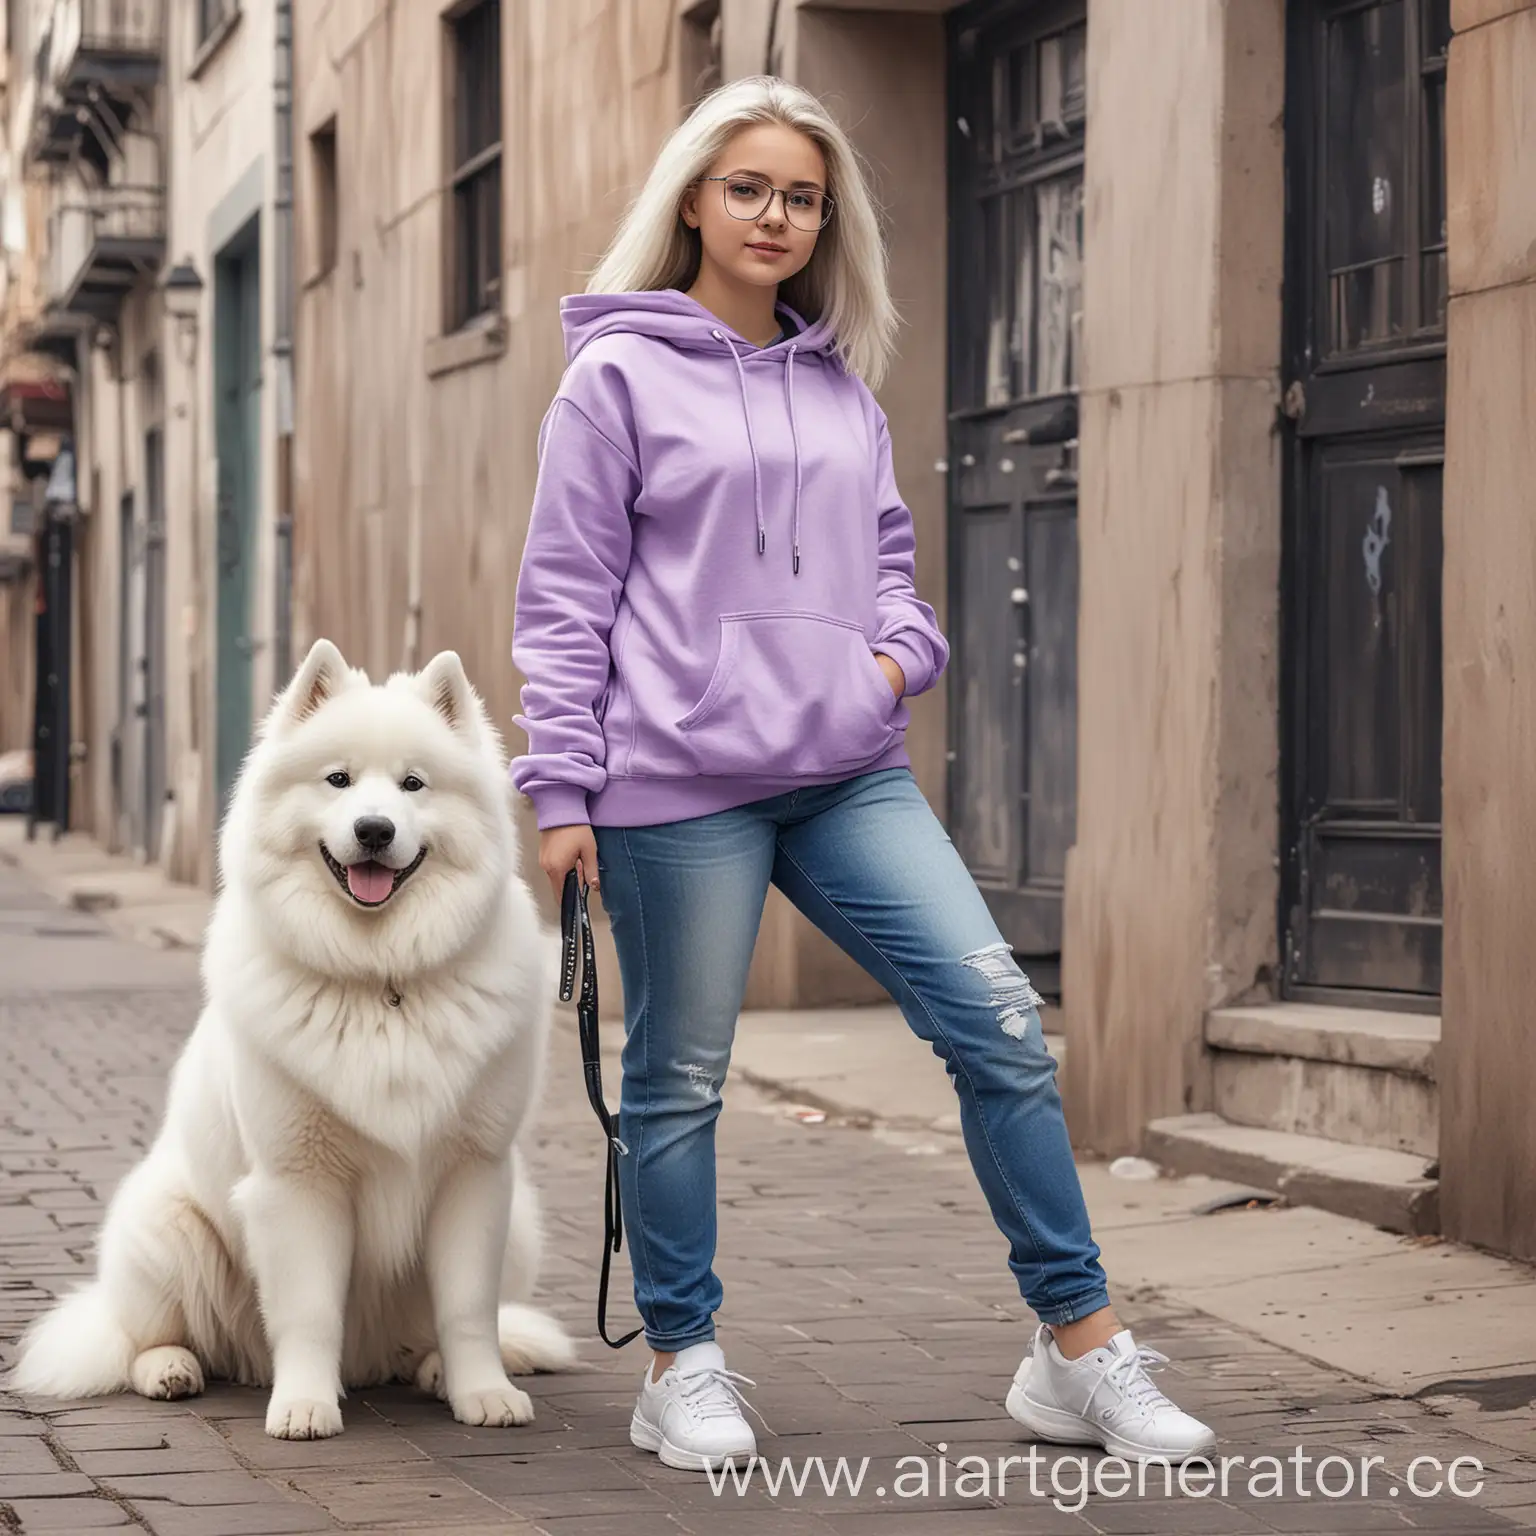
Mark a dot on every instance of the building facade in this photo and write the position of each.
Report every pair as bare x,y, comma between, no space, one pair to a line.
1214,411
145,142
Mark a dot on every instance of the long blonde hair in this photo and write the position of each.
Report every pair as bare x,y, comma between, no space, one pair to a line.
844,284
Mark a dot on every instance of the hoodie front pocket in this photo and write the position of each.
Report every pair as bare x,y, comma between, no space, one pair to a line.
791,693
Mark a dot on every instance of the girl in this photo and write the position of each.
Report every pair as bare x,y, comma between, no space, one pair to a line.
717,621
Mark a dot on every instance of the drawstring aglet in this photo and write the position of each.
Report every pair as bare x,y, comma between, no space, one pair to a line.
797,562
762,540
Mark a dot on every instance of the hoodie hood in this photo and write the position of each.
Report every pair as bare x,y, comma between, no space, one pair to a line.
671,316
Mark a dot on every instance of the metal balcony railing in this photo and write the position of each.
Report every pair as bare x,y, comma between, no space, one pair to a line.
101,245
100,36
93,53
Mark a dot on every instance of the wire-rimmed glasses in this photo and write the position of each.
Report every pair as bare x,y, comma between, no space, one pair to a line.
748,198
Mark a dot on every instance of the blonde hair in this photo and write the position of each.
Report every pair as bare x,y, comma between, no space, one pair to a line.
845,282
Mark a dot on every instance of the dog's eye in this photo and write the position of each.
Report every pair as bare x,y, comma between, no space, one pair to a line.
410,784
339,779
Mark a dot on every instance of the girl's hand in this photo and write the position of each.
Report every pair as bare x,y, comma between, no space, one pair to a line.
893,674
562,849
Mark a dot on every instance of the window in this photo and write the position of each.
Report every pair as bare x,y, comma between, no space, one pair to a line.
476,176
1384,172
699,52
322,161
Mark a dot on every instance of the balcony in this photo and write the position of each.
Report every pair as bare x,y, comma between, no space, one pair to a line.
96,65
100,245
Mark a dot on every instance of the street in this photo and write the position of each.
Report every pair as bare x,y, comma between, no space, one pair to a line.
866,1294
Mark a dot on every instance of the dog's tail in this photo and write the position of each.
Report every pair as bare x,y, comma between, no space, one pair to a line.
79,1349
532,1341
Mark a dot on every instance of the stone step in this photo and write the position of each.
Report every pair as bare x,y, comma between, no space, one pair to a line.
1388,1189
1358,1076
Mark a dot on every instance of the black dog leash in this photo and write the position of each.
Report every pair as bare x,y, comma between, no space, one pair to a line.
576,928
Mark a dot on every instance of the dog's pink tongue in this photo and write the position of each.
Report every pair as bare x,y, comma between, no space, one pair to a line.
369,882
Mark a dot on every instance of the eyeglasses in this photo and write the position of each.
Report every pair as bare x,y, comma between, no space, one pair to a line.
749,197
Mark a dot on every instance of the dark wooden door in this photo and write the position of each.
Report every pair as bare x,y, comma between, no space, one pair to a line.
1365,398
1017,113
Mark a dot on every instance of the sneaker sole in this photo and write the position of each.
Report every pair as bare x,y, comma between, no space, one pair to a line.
647,1437
1063,1428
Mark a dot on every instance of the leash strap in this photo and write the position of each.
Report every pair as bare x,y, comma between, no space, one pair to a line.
576,937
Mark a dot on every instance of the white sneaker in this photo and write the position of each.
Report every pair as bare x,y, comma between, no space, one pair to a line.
1104,1398
691,1417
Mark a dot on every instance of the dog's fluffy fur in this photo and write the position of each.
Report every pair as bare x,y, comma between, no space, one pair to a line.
335,1197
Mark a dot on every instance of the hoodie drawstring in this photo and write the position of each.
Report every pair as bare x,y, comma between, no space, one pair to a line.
794,437
794,434
757,472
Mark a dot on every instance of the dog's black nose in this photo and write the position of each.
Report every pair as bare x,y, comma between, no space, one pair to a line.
373,833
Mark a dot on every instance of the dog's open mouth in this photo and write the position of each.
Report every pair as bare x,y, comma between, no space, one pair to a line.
370,884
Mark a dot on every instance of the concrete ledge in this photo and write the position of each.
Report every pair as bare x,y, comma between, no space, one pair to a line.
1355,1037
1386,1189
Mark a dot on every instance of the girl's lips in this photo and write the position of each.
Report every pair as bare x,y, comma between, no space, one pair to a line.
767,248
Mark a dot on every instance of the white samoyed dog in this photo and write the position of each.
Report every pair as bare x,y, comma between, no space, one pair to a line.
335,1197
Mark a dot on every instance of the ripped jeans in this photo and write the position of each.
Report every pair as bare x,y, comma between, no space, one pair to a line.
869,863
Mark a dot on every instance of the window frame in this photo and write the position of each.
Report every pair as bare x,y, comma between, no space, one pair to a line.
471,294
325,183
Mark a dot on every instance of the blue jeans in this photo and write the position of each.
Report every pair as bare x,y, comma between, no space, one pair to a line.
869,863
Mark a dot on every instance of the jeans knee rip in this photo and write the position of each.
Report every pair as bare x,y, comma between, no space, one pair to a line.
1012,995
700,1079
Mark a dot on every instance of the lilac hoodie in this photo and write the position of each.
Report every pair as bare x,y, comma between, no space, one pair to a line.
716,549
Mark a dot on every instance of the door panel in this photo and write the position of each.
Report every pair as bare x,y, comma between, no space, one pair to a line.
1362,903
1018,111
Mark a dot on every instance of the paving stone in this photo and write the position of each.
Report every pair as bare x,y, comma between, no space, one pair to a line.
18,1455
234,1520
66,1517
236,1487
364,1441
44,1485
374,1495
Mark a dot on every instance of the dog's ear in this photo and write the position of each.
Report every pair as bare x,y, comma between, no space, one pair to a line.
321,677
447,690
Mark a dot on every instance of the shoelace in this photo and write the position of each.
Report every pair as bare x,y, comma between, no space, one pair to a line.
713,1393
1130,1377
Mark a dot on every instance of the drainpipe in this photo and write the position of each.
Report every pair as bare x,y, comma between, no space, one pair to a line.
282,340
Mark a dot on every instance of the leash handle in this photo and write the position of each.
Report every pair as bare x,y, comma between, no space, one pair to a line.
576,940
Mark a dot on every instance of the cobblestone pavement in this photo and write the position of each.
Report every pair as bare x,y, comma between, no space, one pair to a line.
865,1292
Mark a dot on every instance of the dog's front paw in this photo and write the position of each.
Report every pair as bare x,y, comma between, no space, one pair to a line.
498,1407
303,1418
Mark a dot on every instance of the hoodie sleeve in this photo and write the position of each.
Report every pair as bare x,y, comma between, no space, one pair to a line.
568,588
908,630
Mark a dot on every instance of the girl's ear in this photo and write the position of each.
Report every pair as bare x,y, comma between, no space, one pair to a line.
689,208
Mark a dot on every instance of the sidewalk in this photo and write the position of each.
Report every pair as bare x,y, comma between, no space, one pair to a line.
865,1292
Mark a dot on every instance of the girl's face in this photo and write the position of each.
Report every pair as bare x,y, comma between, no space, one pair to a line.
746,231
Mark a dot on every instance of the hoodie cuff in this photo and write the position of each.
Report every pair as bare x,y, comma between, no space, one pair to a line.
559,805
916,662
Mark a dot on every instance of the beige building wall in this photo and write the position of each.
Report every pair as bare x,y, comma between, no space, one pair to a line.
1171,888
1488,1135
